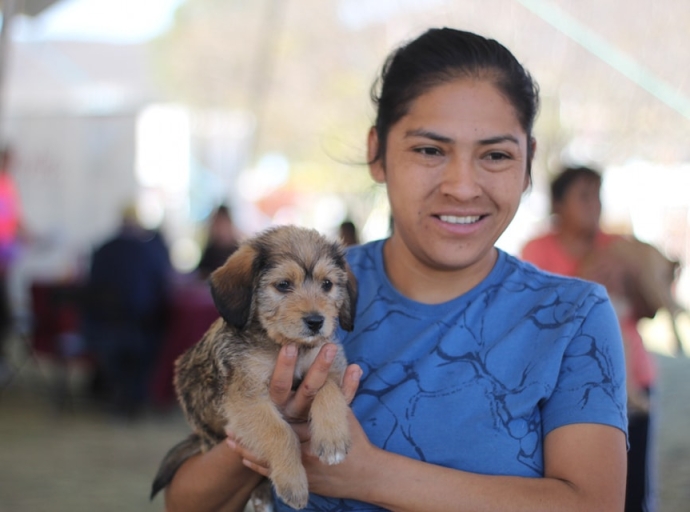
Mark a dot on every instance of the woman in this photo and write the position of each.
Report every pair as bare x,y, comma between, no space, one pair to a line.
485,384
576,246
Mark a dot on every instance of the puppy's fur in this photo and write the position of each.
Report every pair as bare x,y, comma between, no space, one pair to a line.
285,285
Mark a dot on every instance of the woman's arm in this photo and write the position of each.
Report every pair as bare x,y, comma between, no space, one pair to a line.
215,481
585,467
584,470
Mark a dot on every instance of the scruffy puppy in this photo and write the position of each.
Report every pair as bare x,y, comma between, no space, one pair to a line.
285,285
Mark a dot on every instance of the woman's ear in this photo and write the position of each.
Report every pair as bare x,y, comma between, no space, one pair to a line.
531,150
376,169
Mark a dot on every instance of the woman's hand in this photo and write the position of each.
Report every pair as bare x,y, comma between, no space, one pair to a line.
295,405
346,479
338,480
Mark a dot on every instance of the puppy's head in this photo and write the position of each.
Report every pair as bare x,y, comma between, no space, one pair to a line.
293,281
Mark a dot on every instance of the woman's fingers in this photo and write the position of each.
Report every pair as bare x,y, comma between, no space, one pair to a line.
297,409
353,374
280,387
295,405
248,458
256,468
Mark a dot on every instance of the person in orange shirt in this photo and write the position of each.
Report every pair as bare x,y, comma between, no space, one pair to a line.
577,247
10,232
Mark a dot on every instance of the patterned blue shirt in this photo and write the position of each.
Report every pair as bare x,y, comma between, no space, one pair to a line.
476,383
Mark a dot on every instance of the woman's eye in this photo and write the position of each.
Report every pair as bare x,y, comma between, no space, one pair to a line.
428,151
283,286
326,285
497,155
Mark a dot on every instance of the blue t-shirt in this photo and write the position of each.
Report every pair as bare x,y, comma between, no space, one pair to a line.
476,383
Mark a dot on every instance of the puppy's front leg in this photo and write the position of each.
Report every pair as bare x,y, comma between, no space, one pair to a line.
330,437
260,427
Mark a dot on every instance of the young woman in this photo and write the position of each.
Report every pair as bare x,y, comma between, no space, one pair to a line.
484,384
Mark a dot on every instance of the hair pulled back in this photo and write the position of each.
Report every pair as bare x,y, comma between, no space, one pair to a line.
441,55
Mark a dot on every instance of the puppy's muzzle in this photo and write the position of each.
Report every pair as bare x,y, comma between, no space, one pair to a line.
314,322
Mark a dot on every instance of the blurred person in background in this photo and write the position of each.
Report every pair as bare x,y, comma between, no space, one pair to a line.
222,240
125,311
576,246
348,233
11,234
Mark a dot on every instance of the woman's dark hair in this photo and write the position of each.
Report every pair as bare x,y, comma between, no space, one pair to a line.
442,55
569,176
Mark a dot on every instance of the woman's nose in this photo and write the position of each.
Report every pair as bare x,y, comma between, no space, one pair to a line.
460,179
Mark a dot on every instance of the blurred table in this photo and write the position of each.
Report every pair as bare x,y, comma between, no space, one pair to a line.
191,312
56,310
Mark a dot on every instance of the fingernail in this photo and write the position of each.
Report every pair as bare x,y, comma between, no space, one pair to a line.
329,355
291,351
231,444
357,375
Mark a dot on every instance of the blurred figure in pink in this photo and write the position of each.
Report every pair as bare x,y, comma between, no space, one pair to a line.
11,233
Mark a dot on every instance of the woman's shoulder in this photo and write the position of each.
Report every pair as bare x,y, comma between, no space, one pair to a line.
552,299
519,271
364,256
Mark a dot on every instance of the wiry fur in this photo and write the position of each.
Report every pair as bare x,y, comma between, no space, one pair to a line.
286,285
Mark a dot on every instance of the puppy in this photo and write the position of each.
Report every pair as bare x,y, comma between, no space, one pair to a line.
285,285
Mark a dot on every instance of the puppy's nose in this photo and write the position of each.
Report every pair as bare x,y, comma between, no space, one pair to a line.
314,322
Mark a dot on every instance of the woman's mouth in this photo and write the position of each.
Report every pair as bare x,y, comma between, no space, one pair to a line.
453,219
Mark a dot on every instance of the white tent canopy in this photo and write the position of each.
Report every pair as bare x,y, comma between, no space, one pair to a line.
10,8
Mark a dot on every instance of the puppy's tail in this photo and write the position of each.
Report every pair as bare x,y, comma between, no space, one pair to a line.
173,460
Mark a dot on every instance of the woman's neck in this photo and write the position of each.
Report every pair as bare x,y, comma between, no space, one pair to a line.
428,285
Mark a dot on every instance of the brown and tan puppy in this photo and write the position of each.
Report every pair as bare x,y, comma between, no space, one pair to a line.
285,285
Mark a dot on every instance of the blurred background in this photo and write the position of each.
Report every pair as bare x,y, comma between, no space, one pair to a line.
168,109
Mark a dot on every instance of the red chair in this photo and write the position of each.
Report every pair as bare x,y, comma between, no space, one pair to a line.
54,334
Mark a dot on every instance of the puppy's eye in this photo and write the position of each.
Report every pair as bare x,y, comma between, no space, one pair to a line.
327,285
283,286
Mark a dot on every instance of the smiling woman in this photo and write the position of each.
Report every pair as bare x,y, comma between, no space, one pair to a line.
524,368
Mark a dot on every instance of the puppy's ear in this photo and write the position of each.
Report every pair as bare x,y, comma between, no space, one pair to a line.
232,286
346,315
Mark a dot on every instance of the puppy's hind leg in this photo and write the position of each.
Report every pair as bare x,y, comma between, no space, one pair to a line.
259,426
330,437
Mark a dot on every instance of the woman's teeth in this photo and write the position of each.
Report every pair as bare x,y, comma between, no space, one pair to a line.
452,219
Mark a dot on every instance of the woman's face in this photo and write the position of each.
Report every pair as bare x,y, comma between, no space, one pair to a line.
579,211
455,169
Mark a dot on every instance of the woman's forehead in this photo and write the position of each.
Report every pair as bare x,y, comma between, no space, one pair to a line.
462,107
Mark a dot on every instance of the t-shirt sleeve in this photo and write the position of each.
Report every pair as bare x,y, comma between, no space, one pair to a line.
591,383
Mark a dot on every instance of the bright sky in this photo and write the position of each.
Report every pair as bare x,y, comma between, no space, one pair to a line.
113,21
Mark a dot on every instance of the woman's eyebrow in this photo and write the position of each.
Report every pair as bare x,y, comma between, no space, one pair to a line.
429,135
498,139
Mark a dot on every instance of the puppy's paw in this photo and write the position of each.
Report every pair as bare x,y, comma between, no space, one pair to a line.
292,487
331,451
